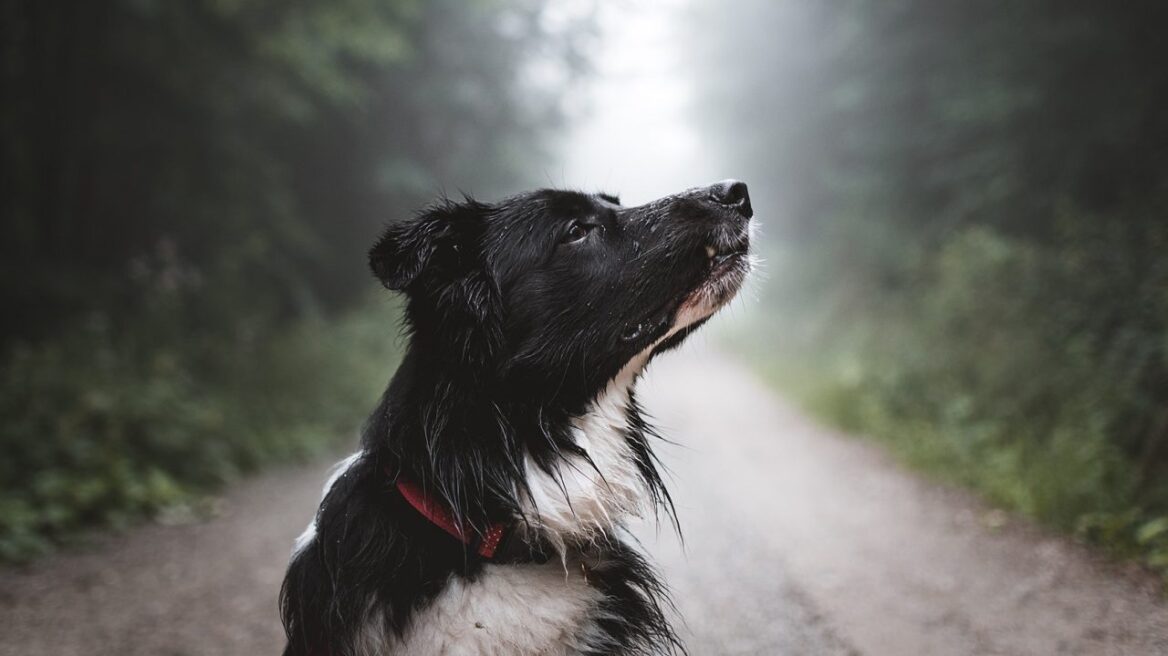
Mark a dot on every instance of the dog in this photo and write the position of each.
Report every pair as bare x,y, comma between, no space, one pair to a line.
484,512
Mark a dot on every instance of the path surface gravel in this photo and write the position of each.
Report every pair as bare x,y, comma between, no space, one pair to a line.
797,541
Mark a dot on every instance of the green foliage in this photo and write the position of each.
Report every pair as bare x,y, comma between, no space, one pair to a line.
103,427
1131,534
968,239
987,376
261,141
189,190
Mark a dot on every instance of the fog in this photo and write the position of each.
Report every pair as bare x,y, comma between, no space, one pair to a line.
962,208
635,132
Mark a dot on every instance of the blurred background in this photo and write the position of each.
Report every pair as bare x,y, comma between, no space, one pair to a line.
964,212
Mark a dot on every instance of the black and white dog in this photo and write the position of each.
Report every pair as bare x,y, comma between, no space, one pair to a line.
483,513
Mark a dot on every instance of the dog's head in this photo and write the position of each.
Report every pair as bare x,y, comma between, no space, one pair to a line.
550,294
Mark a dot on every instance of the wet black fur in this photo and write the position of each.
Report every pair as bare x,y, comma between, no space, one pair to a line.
515,326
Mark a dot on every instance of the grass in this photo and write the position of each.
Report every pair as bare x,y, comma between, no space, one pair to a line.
986,395
1070,480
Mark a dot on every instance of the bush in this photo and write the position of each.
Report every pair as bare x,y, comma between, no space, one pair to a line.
102,426
1000,365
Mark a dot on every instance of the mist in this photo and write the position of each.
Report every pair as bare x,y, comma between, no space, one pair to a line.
946,388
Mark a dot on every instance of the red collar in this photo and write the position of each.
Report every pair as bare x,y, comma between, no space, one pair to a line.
441,516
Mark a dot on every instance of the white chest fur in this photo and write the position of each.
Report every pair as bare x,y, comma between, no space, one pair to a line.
578,498
509,610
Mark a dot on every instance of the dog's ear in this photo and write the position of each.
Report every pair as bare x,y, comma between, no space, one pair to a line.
440,239
403,251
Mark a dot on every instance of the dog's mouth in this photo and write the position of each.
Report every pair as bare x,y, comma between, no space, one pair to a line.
726,268
727,265
722,261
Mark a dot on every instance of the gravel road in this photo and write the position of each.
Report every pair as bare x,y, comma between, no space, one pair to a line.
797,541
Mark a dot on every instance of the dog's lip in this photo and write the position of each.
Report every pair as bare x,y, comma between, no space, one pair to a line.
723,262
717,256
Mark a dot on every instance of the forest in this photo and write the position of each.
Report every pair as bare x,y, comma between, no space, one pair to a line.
188,193
964,209
967,257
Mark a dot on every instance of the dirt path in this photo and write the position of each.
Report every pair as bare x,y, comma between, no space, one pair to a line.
167,590
798,541
889,563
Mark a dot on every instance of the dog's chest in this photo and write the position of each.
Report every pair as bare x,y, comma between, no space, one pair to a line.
509,610
580,496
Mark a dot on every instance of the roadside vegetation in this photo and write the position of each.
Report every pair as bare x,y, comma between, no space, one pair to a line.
189,190
104,427
965,209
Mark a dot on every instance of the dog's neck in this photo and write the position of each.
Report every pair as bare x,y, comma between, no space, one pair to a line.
587,495
474,451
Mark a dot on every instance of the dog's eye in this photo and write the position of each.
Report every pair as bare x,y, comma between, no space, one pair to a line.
578,232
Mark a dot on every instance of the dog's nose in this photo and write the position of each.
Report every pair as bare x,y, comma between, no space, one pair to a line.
732,194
